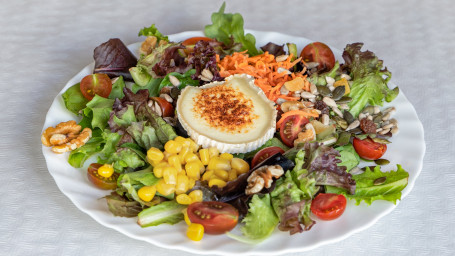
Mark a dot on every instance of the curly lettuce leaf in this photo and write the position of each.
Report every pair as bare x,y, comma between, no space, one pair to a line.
390,190
74,100
226,26
348,156
152,31
99,108
125,158
369,79
261,219
291,199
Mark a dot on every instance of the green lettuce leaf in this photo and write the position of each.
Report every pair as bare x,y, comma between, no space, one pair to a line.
130,183
100,109
348,156
144,135
74,100
117,89
78,156
261,220
169,212
126,118
163,130
125,158
390,190
227,25
152,31
369,79
185,79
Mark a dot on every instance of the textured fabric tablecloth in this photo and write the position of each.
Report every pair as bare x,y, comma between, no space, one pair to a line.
44,43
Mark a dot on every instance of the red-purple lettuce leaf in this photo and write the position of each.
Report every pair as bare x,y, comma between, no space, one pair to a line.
171,61
114,59
204,57
322,164
274,49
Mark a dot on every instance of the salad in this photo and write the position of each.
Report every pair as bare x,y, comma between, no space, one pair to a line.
174,134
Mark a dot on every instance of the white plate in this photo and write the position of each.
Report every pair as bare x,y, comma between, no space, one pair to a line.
407,149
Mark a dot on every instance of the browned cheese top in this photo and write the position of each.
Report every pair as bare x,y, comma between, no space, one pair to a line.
225,108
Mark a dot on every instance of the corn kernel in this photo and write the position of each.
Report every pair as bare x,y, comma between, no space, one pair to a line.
222,174
159,168
219,163
174,161
183,199
227,156
185,216
154,155
191,183
204,155
173,147
191,157
195,231
182,140
183,153
167,155
182,184
207,175
164,189
217,182
106,170
232,175
240,165
213,152
193,170
196,195
170,175
146,193
193,145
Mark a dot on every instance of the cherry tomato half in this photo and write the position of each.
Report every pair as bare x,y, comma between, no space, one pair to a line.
99,84
320,53
328,206
216,217
194,40
265,153
369,149
100,181
291,127
166,107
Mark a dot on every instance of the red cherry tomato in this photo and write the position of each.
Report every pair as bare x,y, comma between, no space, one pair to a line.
194,40
216,217
166,107
328,206
369,149
291,127
265,153
320,53
99,84
100,181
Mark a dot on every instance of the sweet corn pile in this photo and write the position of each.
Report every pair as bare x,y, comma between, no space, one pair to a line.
182,163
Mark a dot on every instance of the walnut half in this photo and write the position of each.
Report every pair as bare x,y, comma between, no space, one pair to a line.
262,177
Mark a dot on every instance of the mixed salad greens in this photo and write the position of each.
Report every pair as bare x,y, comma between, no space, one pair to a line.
329,123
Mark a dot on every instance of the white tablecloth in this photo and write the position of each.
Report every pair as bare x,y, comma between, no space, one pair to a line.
44,43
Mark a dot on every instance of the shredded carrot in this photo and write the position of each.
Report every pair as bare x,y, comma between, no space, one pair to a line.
264,68
306,113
